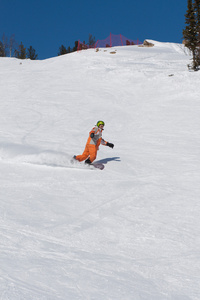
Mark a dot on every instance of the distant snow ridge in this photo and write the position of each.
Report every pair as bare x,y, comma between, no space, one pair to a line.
30,154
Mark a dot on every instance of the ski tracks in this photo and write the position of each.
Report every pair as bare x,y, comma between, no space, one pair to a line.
38,253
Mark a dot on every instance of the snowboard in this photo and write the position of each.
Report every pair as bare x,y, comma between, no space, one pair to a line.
98,166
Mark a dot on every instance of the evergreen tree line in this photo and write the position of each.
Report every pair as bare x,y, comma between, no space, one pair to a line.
191,33
9,47
64,50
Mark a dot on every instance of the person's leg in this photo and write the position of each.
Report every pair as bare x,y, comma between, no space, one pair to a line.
93,152
84,155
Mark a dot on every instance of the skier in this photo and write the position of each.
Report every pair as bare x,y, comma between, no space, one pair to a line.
93,142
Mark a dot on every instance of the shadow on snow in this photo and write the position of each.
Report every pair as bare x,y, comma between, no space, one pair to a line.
106,160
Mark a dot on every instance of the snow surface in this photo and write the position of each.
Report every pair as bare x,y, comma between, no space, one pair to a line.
129,232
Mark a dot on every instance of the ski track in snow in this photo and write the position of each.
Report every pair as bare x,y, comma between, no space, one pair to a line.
16,153
130,231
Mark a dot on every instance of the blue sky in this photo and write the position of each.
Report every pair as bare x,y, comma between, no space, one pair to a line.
47,24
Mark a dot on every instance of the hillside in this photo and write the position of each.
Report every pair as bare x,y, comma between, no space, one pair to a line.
129,232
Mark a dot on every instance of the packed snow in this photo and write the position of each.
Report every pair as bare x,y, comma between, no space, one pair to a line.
128,232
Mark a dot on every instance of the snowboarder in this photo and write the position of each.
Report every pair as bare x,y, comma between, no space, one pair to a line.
93,142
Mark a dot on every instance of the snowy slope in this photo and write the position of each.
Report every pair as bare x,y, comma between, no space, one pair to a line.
129,232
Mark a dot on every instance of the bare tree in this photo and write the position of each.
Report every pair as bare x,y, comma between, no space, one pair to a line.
91,40
12,45
4,44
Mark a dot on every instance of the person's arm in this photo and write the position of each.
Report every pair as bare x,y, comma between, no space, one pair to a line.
103,142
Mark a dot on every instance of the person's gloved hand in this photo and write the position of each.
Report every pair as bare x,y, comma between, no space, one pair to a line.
92,135
110,145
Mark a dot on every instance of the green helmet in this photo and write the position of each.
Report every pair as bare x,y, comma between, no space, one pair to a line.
100,123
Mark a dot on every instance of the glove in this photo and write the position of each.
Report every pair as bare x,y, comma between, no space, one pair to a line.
110,145
92,135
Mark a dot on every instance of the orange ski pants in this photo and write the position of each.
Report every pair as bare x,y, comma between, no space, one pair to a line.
90,151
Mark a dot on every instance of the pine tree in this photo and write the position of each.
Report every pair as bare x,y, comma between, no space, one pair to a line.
62,50
190,34
197,13
75,46
21,53
69,50
31,53
2,51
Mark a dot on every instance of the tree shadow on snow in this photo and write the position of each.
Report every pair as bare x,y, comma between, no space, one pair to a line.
104,161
